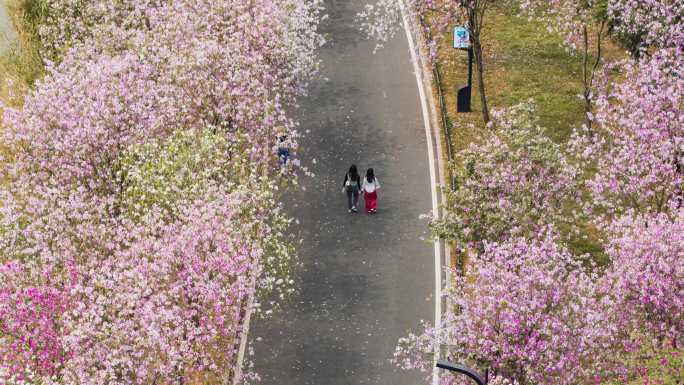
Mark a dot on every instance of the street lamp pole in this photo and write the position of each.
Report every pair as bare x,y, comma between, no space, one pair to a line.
462,369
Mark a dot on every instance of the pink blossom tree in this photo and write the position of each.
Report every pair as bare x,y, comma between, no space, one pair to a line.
528,311
163,76
31,309
637,150
646,279
513,181
649,23
168,305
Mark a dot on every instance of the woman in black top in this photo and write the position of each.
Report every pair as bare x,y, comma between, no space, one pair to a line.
352,186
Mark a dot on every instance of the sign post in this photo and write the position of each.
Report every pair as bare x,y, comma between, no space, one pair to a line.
462,41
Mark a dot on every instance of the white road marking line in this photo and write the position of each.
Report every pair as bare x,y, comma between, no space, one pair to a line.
433,178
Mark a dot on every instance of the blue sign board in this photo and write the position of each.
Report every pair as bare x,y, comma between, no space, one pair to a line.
461,37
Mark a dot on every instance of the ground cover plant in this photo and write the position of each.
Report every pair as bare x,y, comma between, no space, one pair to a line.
140,212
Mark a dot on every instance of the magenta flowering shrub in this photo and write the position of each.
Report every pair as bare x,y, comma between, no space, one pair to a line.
637,151
168,304
133,301
31,309
141,300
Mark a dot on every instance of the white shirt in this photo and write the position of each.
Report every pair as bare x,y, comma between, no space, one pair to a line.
370,187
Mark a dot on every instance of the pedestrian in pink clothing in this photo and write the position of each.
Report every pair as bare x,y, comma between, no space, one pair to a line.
370,189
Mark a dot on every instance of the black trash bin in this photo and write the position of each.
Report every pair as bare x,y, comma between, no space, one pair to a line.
463,99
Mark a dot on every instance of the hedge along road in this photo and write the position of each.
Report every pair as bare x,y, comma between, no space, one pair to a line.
365,281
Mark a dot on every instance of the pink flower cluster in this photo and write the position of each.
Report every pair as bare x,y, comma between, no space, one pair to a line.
27,311
527,311
659,23
640,147
533,313
96,287
646,282
166,301
513,180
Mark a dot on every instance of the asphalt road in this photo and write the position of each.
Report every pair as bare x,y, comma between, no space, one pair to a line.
8,35
365,280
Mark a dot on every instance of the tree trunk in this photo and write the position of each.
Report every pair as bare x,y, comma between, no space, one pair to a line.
585,78
679,168
477,50
587,107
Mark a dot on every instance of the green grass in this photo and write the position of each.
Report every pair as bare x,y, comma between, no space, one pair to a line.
526,62
22,64
522,61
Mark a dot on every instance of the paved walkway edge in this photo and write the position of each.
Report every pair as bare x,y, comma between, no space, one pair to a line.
245,333
9,37
421,64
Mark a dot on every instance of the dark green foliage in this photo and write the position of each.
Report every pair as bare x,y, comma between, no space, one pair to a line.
34,13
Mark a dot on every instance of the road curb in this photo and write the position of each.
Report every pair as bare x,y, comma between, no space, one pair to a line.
9,36
419,54
244,335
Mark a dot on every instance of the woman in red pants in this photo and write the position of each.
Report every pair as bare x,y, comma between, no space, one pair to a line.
370,191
